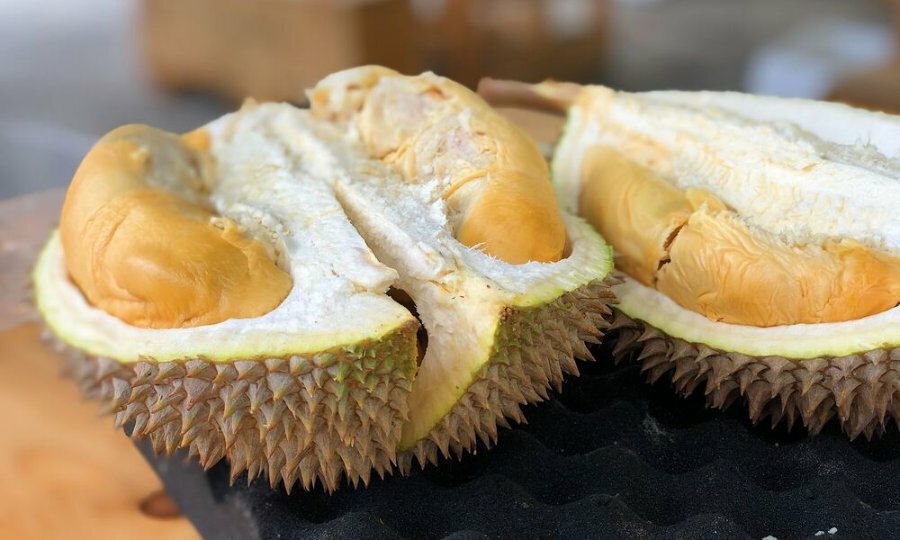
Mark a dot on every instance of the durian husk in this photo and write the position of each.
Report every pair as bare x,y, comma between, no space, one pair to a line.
307,419
534,349
862,390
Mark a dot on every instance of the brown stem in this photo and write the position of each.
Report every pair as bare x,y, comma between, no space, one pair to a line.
549,97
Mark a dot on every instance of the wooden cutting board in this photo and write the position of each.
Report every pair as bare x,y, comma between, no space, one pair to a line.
65,472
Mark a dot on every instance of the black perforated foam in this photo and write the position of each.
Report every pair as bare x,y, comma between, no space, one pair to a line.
611,457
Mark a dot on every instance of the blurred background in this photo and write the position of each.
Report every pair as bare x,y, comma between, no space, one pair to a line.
70,70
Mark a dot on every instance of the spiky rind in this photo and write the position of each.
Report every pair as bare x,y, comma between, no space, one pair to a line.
534,348
304,418
862,390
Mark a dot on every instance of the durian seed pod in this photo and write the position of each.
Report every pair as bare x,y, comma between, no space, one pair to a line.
272,290
497,338
757,240
311,391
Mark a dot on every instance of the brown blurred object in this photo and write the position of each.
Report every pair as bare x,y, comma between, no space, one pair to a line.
271,49
877,89
894,7
529,40
64,472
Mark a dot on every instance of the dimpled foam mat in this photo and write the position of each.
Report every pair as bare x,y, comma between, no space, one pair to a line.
610,457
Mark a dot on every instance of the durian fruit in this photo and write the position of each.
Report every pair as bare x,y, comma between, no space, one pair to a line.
759,239
250,290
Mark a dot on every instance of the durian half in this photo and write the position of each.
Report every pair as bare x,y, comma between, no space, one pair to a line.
290,346
759,239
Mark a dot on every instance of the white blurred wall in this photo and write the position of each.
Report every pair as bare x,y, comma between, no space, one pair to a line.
709,44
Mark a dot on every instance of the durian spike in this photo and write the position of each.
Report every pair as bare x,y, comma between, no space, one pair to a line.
859,390
218,413
511,380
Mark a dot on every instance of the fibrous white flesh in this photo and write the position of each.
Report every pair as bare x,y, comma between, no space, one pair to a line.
805,171
259,184
782,177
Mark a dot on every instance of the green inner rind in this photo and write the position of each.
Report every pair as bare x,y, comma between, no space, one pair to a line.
595,268
798,342
594,265
61,319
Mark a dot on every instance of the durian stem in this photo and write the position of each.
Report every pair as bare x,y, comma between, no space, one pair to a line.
552,97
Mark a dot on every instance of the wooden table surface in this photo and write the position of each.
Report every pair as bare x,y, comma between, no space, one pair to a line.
66,472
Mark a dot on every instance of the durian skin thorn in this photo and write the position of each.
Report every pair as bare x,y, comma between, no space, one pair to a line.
861,391
150,256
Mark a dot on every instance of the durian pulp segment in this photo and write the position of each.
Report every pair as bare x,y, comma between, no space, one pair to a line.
259,186
462,295
692,248
794,182
433,130
142,246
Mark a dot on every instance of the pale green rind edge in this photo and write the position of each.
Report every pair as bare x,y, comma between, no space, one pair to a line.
596,264
591,261
798,341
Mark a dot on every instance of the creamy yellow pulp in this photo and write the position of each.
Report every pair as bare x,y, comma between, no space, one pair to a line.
157,260
496,181
695,250
151,257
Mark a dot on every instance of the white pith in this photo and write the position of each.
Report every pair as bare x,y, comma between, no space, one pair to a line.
807,171
787,173
799,341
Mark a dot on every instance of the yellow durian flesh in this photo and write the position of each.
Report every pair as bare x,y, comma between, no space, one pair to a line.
154,257
493,176
636,212
690,247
